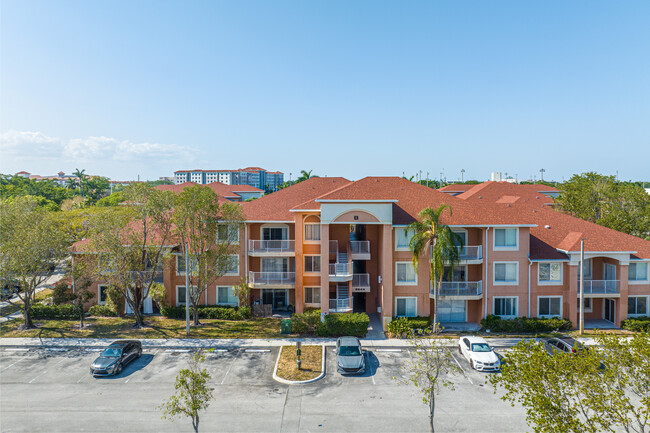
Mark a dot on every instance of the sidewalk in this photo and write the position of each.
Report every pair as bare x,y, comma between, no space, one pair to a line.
47,284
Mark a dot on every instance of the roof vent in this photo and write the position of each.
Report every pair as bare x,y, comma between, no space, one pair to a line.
508,204
480,196
547,226
537,197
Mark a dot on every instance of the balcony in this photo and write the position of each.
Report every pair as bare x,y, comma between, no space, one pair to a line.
275,248
275,280
459,290
601,288
360,250
360,283
470,255
341,305
340,272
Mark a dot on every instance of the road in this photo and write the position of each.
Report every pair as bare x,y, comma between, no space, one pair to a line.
50,390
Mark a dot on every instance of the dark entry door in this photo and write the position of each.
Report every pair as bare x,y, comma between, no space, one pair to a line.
359,302
267,296
609,310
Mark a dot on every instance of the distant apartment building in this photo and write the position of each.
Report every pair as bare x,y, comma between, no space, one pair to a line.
253,176
60,178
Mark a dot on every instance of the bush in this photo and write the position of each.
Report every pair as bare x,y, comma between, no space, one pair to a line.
402,326
525,324
209,312
58,312
637,324
307,323
355,324
101,311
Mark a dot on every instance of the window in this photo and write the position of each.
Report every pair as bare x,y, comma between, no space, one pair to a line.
226,296
312,263
312,295
228,233
402,238
505,307
637,306
549,306
232,265
459,274
180,265
405,273
312,232
102,295
274,233
609,272
586,266
505,238
180,295
638,272
506,272
587,303
549,273
275,264
406,307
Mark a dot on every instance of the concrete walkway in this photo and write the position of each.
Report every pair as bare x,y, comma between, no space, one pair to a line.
375,331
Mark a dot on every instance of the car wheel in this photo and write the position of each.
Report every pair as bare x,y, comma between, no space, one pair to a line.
139,353
119,368
460,350
471,363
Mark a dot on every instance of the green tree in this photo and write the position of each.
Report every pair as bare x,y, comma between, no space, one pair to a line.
304,175
437,243
621,206
46,190
81,178
199,219
574,392
78,293
96,187
429,368
193,394
31,239
243,291
131,243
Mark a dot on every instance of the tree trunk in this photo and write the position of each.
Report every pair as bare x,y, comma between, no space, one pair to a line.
138,317
81,315
435,300
195,423
195,314
432,408
27,302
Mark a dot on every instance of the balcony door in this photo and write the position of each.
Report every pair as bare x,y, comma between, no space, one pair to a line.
275,233
609,313
275,264
452,310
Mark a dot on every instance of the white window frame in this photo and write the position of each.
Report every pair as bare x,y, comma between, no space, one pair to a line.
233,273
284,227
100,289
505,283
647,306
407,298
178,303
495,247
611,267
548,316
313,290
182,256
647,273
232,288
305,264
516,304
588,309
406,283
311,238
233,234
541,282
400,230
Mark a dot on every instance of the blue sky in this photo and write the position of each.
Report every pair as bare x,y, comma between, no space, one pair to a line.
128,88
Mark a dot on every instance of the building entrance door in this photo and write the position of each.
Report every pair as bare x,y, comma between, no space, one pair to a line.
358,302
452,311
609,313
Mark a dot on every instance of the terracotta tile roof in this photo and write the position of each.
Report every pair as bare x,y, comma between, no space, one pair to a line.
457,187
533,194
223,191
277,205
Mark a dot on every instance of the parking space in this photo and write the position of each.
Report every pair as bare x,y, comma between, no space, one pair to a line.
57,392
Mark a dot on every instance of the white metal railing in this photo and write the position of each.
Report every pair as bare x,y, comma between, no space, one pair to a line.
272,278
601,287
274,246
341,269
360,247
472,252
340,305
459,288
360,280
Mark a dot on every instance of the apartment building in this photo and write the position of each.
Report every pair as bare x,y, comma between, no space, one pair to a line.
343,246
253,176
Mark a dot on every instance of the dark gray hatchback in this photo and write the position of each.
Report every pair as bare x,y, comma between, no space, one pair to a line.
115,357
349,356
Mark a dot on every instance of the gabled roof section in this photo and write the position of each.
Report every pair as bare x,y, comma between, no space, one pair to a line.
457,187
221,189
503,192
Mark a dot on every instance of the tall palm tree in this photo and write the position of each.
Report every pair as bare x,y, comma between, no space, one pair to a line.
81,175
429,234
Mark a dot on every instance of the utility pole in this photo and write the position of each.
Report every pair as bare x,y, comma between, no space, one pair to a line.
187,290
542,174
420,178
462,175
582,291
427,179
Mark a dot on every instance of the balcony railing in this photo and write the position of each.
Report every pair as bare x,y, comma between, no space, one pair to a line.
460,288
360,282
340,269
601,287
271,247
271,279
470,252
340,305
360,250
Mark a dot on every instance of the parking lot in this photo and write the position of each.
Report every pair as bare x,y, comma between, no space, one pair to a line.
52,390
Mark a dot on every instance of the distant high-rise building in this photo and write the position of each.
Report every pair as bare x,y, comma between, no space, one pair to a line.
253,176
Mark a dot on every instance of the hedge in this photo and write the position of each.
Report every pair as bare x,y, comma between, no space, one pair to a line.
60,312
335,325
101,311
402,326
525,324
637,324
209,312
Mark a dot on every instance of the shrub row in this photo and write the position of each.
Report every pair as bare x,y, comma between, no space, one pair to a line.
335,325
637,324
49,312
101,311
525,324
209,312
402,326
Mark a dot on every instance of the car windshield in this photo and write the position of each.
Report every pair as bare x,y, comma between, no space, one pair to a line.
349,351
112,352
480,347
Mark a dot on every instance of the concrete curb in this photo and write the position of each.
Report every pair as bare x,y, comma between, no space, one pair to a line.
299,382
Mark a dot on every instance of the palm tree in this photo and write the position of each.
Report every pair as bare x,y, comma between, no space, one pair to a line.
429,234
81,175
304,175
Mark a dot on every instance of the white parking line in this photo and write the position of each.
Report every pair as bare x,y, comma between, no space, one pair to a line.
388,350
461,367
93,350
257,350
37,377
225,375
56,349
127,380
220,350
16,349
178,350
12,364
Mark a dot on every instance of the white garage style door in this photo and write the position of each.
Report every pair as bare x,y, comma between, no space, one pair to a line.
452,311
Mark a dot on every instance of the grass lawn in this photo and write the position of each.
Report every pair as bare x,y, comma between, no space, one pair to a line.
10,309
156,327
311,367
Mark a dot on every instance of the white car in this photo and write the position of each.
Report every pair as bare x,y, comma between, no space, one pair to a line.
480,355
